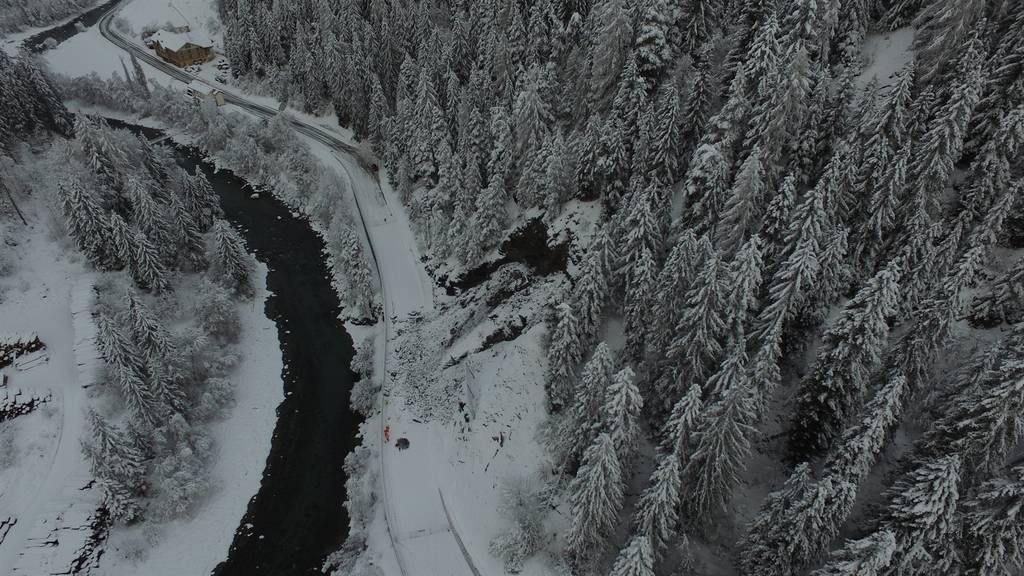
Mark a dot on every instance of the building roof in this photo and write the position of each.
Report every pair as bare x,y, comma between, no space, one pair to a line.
175,41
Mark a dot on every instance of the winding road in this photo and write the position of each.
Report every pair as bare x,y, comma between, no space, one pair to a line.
420,528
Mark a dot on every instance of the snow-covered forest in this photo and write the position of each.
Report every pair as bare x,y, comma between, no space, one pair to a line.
809,270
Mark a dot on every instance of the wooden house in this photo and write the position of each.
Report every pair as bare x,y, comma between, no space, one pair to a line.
182,49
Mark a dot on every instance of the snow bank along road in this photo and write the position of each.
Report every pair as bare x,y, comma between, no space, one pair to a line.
420,530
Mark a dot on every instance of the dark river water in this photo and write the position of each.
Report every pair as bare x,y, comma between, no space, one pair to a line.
61,33
297,518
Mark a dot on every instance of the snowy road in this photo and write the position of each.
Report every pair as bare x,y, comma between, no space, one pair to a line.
419,528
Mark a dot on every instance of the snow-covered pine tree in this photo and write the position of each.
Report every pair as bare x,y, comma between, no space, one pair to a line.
668,303
868,556
147,331
995,529
666,140
564,352
199,199
84,220
652,47
700,20
593,289
596,494
657,511
980,421
115,345
940,30
851,349
231,264
744,285
583,422
140,76
147,269
1005,301
613,35
136,395
532,115
922,514
622,414
639,295
721,442
636,559
861,443
741,215
683,420
795,524
115,460
697,338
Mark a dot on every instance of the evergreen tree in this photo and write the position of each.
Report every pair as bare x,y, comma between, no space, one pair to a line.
851,349
613,35
596,494
652,47
136,395
564,352
722,438
115,345
657,510
147,332
869,556
119,466
232,265
922,513
636,559
585,417
742,212
84,219
622,414
700,20
941,28
795,524
995,530
199,199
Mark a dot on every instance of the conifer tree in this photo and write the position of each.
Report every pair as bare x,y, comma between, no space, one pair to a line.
850,350
564,352
84,219
147,269
586,414
613,32
147,332
657,510
136,395
115,345
922,513
868,556
596,494
795,524
742,211
670,290
119,466
722,438
636,559
941,28
995,530
652,47
231,263
199,199
622,414
700,19
697,342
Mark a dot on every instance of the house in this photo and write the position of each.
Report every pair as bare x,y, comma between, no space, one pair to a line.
182,48
200,91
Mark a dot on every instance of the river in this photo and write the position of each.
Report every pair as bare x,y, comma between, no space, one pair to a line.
37,42
297,518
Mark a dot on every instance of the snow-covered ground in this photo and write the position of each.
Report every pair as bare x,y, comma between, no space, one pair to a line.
46,483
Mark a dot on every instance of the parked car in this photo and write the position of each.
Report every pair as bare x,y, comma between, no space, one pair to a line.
193,69
221,78
223,65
